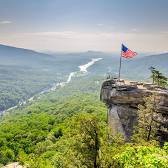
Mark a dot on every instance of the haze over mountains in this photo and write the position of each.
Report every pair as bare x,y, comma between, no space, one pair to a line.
24,73
66,59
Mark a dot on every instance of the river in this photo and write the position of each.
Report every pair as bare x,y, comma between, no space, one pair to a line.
83,69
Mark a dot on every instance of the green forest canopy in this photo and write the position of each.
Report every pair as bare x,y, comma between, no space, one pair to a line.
71,131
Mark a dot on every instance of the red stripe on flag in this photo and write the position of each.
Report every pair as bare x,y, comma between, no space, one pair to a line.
128,54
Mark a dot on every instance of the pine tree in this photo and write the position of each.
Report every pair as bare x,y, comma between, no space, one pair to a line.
146,128
158,78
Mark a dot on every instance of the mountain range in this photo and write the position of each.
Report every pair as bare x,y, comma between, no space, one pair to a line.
24,72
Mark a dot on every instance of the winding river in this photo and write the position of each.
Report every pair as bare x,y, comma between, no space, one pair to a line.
83,69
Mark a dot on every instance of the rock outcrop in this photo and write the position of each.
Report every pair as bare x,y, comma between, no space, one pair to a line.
13,165
122,99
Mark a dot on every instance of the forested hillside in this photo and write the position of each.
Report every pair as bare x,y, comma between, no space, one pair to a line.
83,84
68,128
24,73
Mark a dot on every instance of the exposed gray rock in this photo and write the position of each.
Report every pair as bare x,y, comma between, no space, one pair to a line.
122,100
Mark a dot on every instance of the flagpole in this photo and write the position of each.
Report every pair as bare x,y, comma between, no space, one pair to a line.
119,73
126,53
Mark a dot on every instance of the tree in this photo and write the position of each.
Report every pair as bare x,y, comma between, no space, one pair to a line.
90,132
158,78
163,81
154,74
87,139
6,155
147,127
141,156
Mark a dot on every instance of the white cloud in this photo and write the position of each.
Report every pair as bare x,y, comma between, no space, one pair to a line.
75,41
3,22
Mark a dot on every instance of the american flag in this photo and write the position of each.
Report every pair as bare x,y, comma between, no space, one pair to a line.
127,53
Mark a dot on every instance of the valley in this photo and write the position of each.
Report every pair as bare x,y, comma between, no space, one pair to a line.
25,73
83,84
62,122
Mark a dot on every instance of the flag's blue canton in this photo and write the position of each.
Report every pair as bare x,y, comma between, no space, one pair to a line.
124,48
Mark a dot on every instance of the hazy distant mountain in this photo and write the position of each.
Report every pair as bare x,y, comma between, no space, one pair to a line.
159,61
139,67
136,68
18,56
70,62
25,72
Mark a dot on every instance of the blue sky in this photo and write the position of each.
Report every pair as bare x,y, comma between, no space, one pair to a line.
80,25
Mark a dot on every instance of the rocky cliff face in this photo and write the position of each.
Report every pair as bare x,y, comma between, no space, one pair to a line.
122,100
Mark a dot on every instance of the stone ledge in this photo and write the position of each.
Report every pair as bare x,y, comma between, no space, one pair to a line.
125,96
